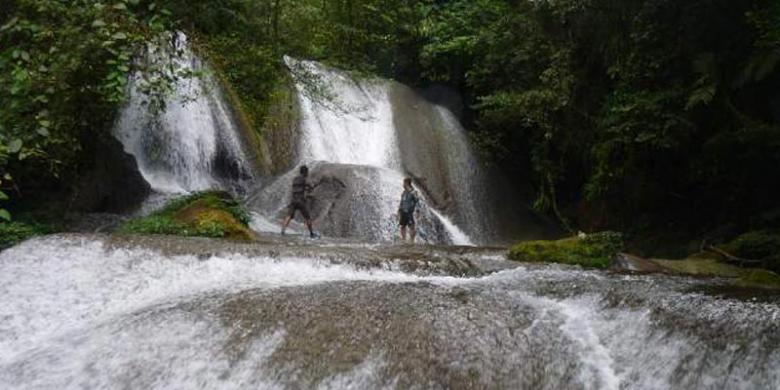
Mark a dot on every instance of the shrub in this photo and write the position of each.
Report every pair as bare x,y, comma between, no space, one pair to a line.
12,233
594,250
206,214
759,245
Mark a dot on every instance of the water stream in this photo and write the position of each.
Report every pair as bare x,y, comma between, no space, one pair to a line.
193,144
98,312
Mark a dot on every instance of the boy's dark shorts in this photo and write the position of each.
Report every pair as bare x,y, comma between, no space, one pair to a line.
300,206
407,219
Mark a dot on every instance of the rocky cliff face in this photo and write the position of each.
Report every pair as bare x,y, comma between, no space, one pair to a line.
435,150
281,130
113,184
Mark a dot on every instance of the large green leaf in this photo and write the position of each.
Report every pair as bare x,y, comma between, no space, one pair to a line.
15,146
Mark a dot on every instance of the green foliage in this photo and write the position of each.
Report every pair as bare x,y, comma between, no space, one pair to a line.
757,245
637,126
64,68
12,233
4,214
702,267
660,111
250,70
745,277
760,278
157,224
206,214
594,250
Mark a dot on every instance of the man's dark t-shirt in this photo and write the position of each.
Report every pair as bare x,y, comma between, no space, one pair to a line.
406,209
299,190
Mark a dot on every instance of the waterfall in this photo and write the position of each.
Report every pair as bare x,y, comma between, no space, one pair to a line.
348,120
193,143
351,122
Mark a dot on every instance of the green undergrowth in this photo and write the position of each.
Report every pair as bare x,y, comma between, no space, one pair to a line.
711,266
759,278
206,214
593,250
12,233
761,245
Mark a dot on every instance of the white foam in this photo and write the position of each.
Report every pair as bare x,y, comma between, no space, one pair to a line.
51,286
458,236
261,224
175,149
598,369
352,123
77,314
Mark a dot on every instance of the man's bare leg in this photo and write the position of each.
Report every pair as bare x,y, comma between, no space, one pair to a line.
311,230
286,222
412,232
403,233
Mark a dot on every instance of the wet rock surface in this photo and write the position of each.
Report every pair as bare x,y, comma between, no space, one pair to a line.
114,183
110,311
633,263
401,329
348,201
436,152
93,222
419,259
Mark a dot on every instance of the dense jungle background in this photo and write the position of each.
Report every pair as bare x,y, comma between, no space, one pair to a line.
656,118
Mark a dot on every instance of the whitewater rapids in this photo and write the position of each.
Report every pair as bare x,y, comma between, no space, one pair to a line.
88,311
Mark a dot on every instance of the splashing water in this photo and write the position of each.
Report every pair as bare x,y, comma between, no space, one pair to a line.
352,121
354,125
193,143
79,313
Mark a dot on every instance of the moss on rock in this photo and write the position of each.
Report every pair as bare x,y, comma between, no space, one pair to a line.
281,127
208,214
701,267
711,267
759,278
594,250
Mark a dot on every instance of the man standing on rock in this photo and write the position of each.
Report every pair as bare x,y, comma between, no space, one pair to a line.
406,210
299,191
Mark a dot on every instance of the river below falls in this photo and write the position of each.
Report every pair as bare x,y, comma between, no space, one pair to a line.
84,311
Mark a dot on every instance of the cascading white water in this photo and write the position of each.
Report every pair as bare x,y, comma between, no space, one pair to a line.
465,174
351,121
179,147
353,125
82,313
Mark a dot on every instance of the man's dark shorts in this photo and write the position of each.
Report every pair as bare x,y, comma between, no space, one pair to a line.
299,205
407,219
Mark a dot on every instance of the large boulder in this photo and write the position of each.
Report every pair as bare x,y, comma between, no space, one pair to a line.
206,214
349,201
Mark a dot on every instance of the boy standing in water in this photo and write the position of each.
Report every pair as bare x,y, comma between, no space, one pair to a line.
299,191
406,210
